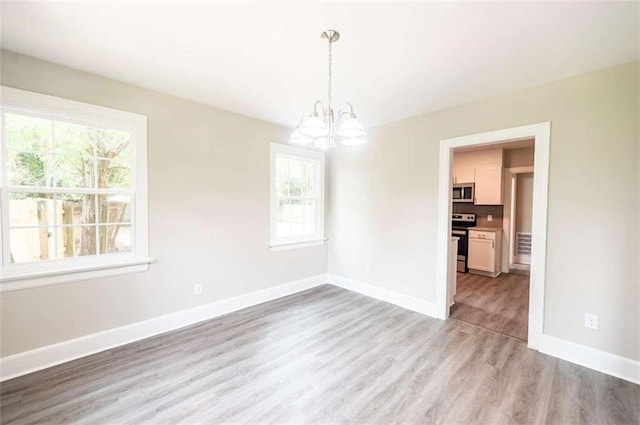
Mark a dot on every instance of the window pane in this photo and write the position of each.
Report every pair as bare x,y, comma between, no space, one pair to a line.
75,171
114,209
282,173
31,209
113,144
114,174
295,177
308,190
28,134
115,238
29,168
33,244
74,139
309,220
77,208
283,227
76,241
296,217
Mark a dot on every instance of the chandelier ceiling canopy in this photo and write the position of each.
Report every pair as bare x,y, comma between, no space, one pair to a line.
320,128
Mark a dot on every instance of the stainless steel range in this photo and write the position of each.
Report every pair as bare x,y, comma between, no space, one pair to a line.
460,224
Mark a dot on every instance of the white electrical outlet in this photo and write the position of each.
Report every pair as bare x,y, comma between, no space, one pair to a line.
197,289
489,217
367,269
591,321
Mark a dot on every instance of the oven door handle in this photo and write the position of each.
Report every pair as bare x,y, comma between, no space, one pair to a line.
459,232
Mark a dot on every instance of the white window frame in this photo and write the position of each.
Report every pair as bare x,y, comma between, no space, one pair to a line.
48,272
318,238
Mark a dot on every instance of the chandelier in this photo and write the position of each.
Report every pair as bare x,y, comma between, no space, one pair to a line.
320,128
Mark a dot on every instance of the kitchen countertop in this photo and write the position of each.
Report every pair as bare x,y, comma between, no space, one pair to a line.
486,229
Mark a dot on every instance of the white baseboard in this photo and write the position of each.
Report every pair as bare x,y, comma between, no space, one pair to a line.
405,301
592,358
582,355
51,355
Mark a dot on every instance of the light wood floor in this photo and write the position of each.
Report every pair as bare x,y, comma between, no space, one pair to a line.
322,356
500,304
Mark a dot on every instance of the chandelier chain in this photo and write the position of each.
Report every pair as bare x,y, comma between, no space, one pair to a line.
330,66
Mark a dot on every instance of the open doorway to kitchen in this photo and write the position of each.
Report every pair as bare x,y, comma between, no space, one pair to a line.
492,229
493,232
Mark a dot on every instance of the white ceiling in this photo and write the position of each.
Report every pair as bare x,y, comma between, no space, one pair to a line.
266,59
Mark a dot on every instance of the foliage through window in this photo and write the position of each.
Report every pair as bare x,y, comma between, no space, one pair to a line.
68,188
297,195
44,155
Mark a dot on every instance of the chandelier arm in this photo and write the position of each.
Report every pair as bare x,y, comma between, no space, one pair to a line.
341,112
315,108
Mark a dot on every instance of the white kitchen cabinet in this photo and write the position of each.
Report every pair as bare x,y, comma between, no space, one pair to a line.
464,167
484,168
488,189
463,175
485,251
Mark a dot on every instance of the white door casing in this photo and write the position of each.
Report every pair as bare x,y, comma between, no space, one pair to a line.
541,133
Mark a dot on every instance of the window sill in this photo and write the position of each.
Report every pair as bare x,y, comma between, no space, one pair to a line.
16,282
295,245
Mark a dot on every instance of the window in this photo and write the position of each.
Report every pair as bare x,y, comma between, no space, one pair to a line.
73,190
297,197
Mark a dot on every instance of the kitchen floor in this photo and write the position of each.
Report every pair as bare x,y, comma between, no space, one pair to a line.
500,304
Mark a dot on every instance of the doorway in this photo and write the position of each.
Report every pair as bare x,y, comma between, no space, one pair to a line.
540,134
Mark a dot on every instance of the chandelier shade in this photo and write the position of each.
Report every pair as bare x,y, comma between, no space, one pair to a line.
355,141
320,128
313,127
351,128
300,139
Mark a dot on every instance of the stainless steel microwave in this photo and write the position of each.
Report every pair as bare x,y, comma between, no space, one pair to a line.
463,192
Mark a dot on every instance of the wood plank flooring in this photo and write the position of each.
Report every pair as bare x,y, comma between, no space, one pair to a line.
500,304
323,356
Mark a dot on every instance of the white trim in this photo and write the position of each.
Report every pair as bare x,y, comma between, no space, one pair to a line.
602,361
51,355
295,245
510,174
53,277
542,134
279,244
405,301
51,271
521,170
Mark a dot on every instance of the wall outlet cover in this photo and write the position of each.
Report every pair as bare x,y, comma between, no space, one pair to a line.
591,321
197,289
489,217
